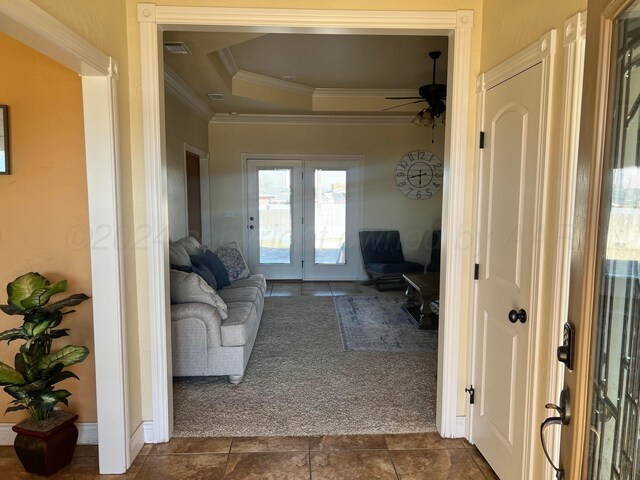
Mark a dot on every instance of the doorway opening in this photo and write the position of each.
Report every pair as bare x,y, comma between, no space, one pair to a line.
454,24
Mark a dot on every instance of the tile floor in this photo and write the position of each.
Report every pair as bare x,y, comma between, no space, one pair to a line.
358,457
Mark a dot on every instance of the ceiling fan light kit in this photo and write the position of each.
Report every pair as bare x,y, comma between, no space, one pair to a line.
433,94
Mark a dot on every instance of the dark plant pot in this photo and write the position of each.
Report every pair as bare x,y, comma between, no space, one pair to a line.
46,446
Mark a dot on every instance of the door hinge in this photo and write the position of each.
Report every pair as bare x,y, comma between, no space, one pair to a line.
302,261
303,220
472,394
476,271
481,139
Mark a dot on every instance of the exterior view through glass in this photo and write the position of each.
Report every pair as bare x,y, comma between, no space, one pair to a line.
613,447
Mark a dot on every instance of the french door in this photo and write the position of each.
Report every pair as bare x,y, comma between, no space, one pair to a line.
303,217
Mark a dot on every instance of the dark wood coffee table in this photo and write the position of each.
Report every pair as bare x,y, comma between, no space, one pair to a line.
422,289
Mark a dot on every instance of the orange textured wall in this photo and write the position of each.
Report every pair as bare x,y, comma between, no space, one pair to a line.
43,203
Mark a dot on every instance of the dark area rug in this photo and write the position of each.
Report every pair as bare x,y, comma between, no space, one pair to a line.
301,381
378,323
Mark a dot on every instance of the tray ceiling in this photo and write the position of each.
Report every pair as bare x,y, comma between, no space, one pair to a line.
333,74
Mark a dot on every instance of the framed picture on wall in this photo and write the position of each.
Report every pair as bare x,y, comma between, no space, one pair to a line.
4,140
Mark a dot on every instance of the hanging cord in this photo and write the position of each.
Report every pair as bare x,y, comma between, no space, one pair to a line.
547,423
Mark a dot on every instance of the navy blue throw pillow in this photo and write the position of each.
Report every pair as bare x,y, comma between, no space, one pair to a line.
204,272
211,261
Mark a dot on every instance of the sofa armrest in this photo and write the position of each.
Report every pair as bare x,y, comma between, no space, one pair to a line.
208,315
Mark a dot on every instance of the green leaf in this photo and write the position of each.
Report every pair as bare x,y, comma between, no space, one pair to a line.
20,364
13,334
10,376
59,333
24,286
15,409
71,301
62,376
41,296
68,355
11,309
49,400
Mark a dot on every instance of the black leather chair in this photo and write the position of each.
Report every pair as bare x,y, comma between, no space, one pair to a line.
384,261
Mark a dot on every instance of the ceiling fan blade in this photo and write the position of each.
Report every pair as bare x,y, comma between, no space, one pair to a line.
402,98
402,105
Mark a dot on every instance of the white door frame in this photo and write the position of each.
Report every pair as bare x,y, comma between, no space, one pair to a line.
457,25
540,52
37,29
574,45
205,202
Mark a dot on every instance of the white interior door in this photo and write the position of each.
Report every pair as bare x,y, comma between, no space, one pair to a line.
331,220
274,214
507,195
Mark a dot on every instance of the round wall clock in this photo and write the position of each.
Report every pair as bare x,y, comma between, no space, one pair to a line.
419,174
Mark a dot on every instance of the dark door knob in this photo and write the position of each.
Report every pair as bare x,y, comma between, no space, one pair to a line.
251,227
521,315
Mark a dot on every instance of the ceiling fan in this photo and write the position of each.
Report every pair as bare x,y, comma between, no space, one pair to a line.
434,95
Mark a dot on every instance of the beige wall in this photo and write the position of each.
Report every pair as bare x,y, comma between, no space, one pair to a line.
182,126
507,28
385,207
44,217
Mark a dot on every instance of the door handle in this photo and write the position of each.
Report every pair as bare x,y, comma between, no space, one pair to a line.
521,315
563,418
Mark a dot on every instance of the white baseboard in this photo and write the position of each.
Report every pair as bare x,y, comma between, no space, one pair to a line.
147,426
461,427
87,433
137,442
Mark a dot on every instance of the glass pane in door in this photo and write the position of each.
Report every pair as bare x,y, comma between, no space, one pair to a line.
613,445
274,215
330,216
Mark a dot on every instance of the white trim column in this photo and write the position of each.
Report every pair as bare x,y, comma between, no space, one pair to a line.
157,222
107,278
574,50
456,278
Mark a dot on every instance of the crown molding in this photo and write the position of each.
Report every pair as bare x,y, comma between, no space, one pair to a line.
364,92
226,57
180,89
264,80
281,119
299,20
36,28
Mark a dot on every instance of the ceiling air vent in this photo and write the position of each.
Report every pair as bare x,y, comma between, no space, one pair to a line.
179,48
216,96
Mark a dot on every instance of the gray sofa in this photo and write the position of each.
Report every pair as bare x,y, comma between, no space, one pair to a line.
203,342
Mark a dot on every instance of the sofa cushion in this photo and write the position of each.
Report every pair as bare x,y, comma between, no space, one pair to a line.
178,255
256,280
202,270
246,294
211,261
237,328
191,245
233,261
191,287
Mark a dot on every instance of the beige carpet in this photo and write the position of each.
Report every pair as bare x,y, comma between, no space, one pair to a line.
300,381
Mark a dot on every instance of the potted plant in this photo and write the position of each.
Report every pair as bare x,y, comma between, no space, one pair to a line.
45,441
